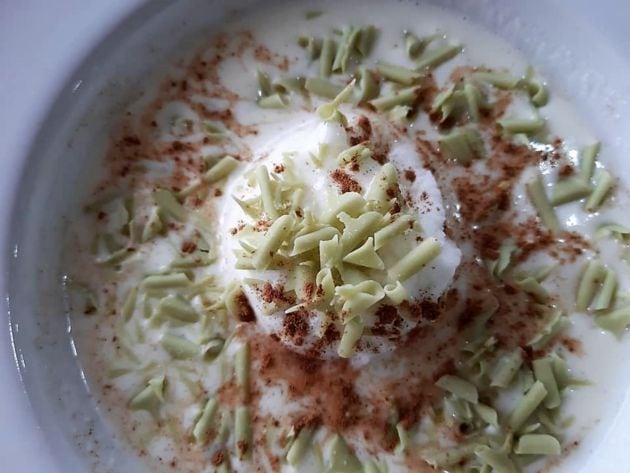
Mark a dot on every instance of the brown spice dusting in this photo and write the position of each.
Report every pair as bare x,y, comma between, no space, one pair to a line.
326,387
244,313
388,322
188,246
345,182
242,447
410,175
566,170
296,326
218,458
131,140
276,294
360,133
430,310
572,345
309,290
89,310
379,156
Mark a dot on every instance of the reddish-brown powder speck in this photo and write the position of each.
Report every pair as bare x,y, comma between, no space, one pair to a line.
295,326
566,170
244,311
242,447
345,182
218,458
131,140
388,322
572,345
379,156
410,175
360,133
472,308
309,290
430,310
188,246
271,293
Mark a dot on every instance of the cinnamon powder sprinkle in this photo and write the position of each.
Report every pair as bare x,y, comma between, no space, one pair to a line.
344,182
244,313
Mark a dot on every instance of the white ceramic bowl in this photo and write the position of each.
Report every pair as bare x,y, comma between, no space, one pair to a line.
68,67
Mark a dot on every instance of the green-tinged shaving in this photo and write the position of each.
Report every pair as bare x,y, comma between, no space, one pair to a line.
406,96
352,331
241,369
165,281
500,80
556,324
569,189
522,125
459,387
221,169
341,457
527,405
169,205
150,398
322,87
436,56
299,447
606,294
179,347
497,461
242,432
369,85
415,260
273,101
588,157
615,321
544,372
462,145
177,309
327,111
327,56
506,368
399,74
589,283
205,423
538,197
415,46
604,182
537,444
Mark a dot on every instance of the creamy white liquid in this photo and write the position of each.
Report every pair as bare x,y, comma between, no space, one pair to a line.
282,131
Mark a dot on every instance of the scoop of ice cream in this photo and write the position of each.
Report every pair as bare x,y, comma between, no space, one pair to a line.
351,212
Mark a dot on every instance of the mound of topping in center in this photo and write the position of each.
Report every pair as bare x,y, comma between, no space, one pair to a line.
328,239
